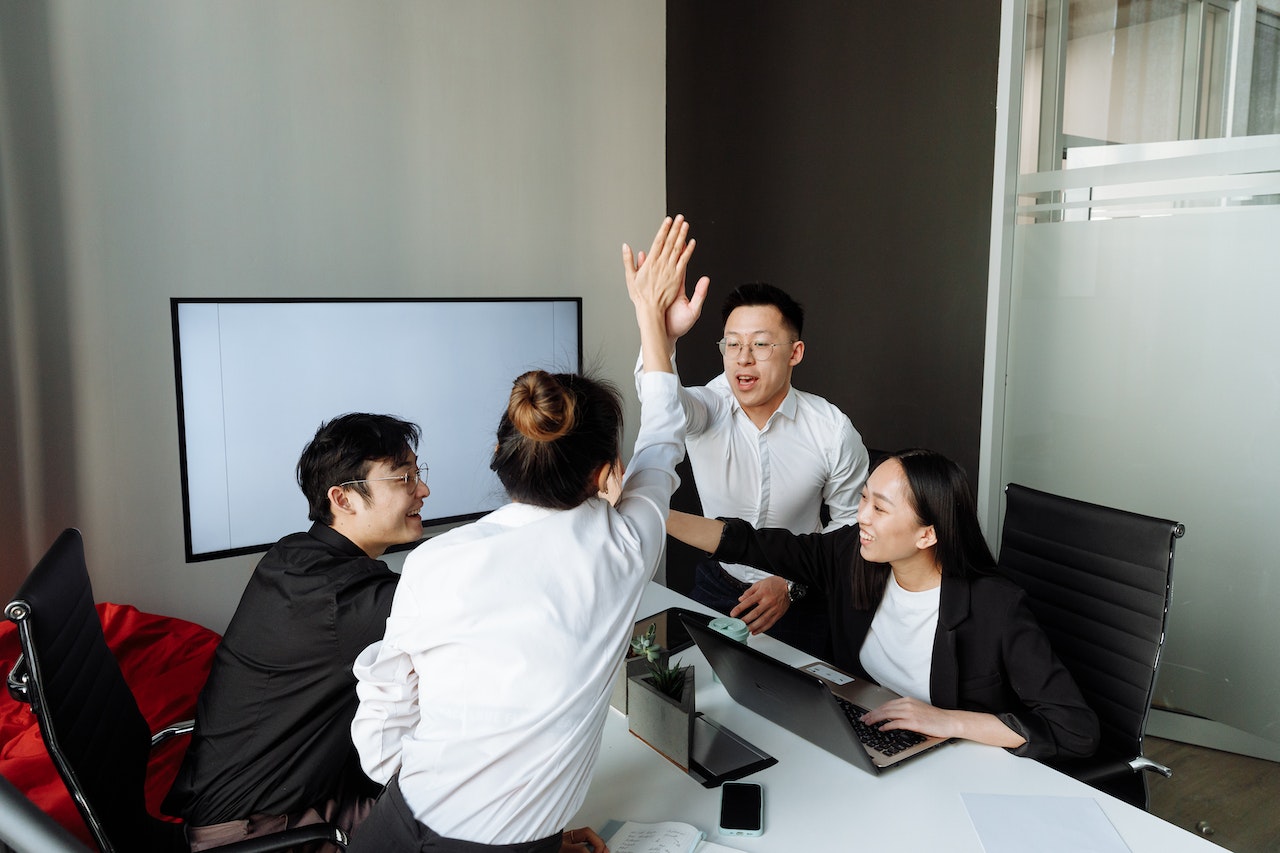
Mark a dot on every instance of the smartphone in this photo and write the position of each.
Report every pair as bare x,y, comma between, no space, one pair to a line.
741,808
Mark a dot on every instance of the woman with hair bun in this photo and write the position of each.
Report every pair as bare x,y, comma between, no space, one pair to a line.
483,706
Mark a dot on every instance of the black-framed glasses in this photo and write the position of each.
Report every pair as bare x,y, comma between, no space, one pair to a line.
410,480
760,350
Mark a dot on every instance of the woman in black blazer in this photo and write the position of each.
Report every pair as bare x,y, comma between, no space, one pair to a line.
915,605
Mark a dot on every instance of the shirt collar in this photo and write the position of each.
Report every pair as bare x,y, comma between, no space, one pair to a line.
787,408
335,540
516,514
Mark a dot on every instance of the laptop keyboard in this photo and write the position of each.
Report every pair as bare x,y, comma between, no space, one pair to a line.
886,743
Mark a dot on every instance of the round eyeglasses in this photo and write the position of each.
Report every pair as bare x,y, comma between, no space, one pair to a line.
410,480
760,350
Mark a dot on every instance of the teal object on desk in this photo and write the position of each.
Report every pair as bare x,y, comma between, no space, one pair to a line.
734,629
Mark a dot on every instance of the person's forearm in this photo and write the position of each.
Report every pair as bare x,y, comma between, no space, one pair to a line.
986,728
701,533
655,346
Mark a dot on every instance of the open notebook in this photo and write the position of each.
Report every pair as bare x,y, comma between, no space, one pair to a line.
665,837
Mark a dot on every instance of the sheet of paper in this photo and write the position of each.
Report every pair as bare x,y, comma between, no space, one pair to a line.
668,837
1011,823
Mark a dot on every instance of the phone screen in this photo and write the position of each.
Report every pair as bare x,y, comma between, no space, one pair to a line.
741,807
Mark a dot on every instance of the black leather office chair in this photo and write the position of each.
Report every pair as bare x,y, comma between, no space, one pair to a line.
88,717
1098,580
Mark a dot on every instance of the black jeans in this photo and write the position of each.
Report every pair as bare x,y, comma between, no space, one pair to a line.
804,625
392,828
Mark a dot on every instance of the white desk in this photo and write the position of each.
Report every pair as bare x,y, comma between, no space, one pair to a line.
809,793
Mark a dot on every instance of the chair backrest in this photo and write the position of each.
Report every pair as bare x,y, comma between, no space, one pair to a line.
1098,580
90,722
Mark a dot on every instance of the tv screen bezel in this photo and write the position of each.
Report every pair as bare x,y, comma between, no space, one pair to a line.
429,522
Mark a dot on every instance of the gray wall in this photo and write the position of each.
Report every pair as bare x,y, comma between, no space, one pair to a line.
159,148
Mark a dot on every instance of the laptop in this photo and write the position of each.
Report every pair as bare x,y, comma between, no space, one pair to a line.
818,702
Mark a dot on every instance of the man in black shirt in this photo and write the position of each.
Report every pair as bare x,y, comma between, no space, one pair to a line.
272,744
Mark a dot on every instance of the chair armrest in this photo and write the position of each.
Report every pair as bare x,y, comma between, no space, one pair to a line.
26,827
185,727
1095,772
18,681
289,838
1143,763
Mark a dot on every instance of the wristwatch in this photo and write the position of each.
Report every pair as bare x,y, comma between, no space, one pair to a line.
796,591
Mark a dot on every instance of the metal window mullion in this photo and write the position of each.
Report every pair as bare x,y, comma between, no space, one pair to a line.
1189,108
1053,83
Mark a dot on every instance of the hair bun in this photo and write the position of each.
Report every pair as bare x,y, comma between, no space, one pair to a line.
540,407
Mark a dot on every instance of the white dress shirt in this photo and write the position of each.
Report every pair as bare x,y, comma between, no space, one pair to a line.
489,692
806,455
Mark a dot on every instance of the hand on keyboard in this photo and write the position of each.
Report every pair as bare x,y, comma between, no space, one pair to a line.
886,741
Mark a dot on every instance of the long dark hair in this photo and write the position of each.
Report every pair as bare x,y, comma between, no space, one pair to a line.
941,496
559,428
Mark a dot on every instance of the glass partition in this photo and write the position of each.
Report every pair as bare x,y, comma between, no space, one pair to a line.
1134,308
1107,72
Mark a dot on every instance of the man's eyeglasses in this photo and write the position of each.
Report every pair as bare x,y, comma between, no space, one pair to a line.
760,350
410,480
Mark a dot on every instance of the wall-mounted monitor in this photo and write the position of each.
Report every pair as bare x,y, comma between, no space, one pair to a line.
256,377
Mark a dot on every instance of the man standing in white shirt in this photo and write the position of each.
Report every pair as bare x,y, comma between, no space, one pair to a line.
766,452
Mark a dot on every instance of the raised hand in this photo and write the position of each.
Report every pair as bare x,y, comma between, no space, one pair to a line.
685,310
655,283
658,276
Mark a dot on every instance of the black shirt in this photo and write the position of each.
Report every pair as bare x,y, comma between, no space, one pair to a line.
273,724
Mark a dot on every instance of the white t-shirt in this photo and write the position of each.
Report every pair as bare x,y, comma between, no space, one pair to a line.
489,692
898,650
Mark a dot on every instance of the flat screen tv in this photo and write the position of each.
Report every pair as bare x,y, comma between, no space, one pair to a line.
256,377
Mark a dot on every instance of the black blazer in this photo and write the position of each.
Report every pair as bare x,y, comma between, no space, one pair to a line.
989,653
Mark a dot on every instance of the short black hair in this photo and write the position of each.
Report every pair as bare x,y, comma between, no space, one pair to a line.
344,449
760,293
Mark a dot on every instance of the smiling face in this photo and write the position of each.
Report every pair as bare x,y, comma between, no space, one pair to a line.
391,514
890,531
760,386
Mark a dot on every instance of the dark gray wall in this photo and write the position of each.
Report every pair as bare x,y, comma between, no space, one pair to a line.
843,151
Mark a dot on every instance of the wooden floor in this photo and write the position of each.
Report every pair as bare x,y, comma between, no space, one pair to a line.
1236,796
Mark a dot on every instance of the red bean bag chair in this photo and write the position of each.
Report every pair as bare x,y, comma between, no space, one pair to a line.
165,662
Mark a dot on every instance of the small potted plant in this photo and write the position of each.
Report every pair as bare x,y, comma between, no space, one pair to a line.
644,651
660,707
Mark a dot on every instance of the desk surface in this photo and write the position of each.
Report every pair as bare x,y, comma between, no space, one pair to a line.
810,794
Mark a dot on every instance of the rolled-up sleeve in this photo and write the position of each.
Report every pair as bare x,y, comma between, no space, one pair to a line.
388,690
1055,721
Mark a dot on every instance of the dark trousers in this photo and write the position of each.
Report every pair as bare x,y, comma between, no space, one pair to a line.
392,828
349,807
804,625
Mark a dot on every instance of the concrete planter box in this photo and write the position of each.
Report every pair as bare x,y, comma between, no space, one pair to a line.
633,666
660,721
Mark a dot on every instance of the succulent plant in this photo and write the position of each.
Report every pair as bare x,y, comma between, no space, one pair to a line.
668,678
645,646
